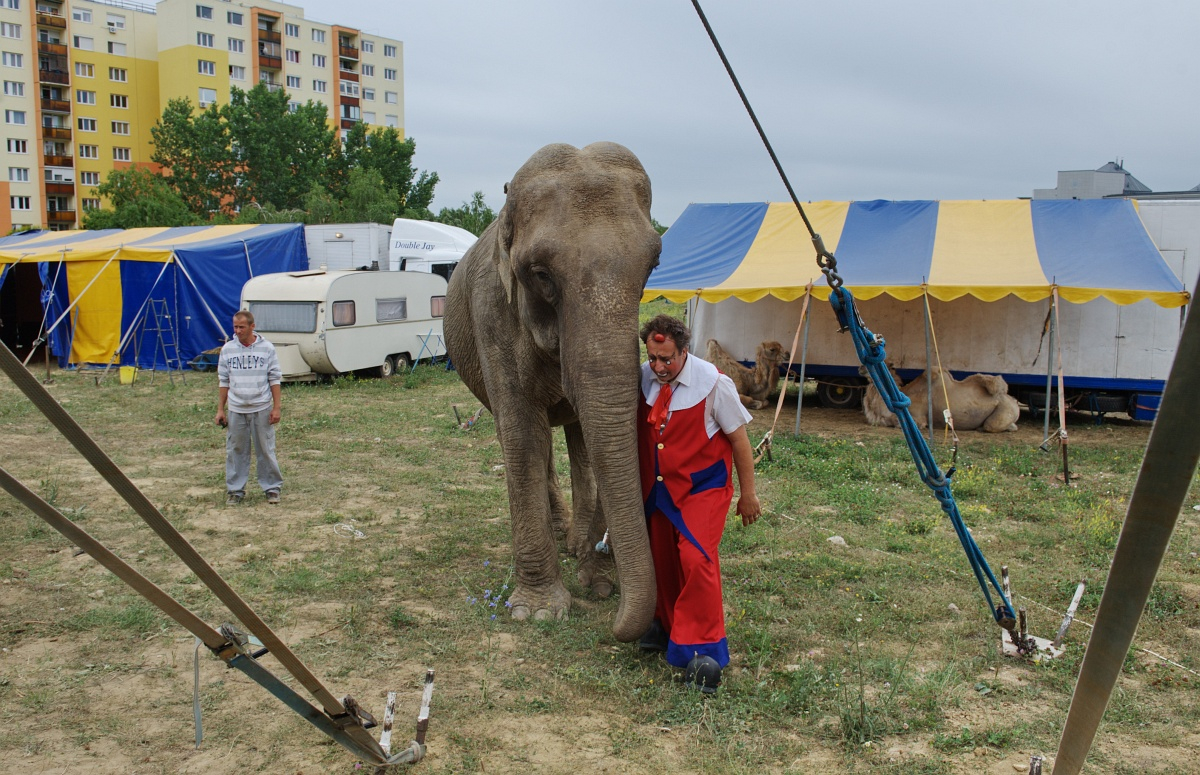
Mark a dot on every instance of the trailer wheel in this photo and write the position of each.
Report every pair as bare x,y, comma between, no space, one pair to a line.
840,392
403,364
1105,403
387,368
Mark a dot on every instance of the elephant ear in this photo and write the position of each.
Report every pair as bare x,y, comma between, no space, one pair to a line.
502,254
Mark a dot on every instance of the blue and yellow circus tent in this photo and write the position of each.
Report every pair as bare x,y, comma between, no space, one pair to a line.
99,286
1084,249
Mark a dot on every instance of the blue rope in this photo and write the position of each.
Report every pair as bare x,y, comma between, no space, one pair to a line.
870,348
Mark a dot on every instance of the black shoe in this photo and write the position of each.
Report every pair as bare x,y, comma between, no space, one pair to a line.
703,673
654,639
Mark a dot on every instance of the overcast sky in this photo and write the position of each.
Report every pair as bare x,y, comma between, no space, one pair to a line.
861,100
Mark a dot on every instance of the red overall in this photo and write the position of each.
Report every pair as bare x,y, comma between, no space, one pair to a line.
687,487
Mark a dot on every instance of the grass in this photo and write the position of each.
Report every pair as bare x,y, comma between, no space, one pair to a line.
845,658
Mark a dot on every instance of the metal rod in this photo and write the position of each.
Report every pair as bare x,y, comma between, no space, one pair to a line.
389,716
1049,378
1070,617
800,382
423,716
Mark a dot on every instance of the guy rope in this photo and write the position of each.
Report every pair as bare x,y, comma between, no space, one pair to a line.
343,720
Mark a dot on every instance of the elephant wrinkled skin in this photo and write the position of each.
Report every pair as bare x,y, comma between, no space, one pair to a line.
541,324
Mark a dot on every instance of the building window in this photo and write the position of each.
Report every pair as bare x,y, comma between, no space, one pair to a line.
121,154
122,127
14,117
237,45
19,202
207,97
291,30
87,124
115,21
368,117
368,94
391,98
237,73
368,46
350,112
319,86
14,88
391,121
318,36
389,74
18,174
84,70
293,55
89,152
207,68
389,51
204,39
81,15
11,60
18,146
117,49
118,74
293,82
233,18
85,97
318,60
203,12
89,178
293,107
368,69
348,88
84,44
8,30
118,101
91,204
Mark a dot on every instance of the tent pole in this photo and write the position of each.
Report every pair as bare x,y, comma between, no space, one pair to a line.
1062,397
803,363
199,295
928,360
1049,377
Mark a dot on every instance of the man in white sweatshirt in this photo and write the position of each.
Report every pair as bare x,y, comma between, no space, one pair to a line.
249,377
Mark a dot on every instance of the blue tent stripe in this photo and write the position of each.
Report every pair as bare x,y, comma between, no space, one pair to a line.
706,244
1095,243
887,243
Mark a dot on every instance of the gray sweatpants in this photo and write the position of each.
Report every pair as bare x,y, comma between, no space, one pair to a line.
244,428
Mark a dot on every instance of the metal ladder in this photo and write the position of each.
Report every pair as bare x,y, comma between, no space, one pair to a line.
158,320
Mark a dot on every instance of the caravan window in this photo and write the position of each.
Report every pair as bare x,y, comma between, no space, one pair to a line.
391,309
437,306
343,313
291,317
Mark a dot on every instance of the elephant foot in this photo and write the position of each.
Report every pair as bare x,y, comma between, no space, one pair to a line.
595,572
542,603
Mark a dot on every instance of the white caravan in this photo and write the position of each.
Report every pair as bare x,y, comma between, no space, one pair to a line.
343,321
426,246
348,246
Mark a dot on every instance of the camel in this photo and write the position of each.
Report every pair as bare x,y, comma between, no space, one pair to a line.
979,402
753,385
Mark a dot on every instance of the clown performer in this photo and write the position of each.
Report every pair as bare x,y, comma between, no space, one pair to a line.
691,434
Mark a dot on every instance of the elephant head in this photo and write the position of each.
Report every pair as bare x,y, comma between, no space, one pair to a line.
541,322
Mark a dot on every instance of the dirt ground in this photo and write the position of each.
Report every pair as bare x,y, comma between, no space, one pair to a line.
131,697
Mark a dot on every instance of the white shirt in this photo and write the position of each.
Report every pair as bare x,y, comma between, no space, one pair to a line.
698,381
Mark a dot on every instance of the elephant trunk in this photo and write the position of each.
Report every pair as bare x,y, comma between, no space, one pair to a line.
600,377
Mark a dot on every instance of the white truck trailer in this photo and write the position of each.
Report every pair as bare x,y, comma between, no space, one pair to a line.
348,246
427,246
336,322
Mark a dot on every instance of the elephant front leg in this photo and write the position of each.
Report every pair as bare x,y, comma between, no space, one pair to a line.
588,527
539,588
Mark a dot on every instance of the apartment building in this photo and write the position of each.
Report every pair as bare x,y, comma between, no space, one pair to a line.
85,80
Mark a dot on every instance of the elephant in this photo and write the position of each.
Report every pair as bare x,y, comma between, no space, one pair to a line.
541,324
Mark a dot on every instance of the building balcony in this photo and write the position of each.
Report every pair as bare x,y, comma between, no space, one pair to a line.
348,123
270,36
348,52
59,161
56,132
272,85
51,20
60,189
56,106
54,49
347,100
274,63
348,75
60,216
54,76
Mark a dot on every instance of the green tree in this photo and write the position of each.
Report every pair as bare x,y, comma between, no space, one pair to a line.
658,227
474,216
392,156
195,149
139,198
